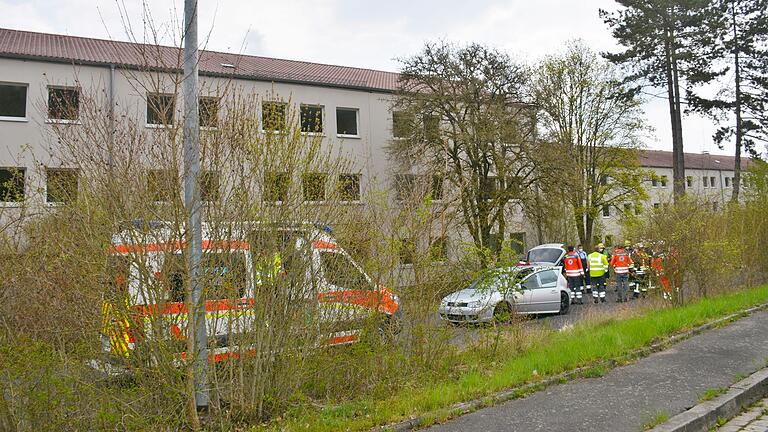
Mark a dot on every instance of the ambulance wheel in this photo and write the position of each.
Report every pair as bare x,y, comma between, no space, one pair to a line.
565,303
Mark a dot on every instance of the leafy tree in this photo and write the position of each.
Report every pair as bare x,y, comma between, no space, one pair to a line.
732,43
657,35
593,128
461,115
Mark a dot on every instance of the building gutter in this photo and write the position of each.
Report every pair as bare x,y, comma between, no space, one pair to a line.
111,113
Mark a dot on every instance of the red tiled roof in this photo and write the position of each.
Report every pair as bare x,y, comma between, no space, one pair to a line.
702,161
79,50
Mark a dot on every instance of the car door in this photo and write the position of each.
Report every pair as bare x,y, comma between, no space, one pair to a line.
524,297
547,295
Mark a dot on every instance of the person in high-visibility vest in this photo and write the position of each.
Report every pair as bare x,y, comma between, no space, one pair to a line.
598,267
266,272
621,262
583,255
574,272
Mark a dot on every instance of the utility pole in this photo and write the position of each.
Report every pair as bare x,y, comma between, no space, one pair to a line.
196,316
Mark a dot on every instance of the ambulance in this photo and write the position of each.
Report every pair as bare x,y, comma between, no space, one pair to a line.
245,268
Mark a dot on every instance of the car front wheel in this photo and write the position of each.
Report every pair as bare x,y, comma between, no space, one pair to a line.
565,303
502,313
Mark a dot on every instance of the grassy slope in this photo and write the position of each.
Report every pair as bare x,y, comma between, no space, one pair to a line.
584,344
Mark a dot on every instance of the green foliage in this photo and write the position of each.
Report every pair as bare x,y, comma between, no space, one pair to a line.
655,420
712,393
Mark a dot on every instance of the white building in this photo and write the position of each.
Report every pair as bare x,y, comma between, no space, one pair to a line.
353,105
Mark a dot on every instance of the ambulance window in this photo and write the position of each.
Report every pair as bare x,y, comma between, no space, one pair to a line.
173,275
223,274
339,271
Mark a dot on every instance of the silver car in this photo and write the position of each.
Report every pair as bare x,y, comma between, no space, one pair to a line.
522,289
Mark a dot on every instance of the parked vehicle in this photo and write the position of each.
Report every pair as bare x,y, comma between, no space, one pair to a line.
547,254
147,296
532,289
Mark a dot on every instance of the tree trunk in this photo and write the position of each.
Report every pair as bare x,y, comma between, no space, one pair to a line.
739,130
673,96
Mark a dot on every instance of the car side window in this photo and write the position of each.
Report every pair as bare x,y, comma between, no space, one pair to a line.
548,279
531,283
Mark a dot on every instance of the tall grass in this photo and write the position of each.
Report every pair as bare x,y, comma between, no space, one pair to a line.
585,344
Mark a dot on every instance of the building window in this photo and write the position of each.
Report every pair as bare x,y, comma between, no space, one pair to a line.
273,116
311,118
13,101
689,181
627,209
346,122
705,181
488,187
60,185
210,186
208,109
437,187
162,185
407,251
12,184
431,127
663,181
401,124
712,182
313,186
656,205
349,187
654,182
276,186
517,242
604,180
160,109
606,211
438,249
714,206
63,103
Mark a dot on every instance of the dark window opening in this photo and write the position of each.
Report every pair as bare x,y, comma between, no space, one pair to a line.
162,185
312,118
160,109
210,186
208,109
276,187
346,121
61,185
273,116
12,184
349,187
13,100
63,103
313,186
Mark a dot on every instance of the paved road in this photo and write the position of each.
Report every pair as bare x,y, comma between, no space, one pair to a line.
670,381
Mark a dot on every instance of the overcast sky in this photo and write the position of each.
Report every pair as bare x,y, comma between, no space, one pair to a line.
362,33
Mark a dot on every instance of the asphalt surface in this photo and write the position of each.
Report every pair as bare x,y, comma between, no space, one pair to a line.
625,398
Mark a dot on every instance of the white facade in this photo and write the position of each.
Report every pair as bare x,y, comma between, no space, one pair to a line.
27,144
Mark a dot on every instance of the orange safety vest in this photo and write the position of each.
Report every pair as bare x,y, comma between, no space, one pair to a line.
621,262
573,267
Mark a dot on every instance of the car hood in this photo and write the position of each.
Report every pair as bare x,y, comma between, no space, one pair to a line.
468,295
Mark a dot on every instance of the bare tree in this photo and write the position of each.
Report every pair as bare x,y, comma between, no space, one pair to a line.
592,129
461,114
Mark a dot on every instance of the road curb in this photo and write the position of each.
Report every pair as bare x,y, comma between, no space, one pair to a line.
728,405
462,408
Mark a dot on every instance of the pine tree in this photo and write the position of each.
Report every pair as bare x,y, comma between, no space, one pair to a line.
656,35
732,44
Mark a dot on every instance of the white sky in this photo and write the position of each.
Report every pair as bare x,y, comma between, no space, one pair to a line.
360,33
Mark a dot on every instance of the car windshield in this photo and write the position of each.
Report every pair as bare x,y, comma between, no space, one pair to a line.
544,255
501,280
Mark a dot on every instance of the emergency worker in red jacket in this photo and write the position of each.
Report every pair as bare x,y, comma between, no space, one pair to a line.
574,272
